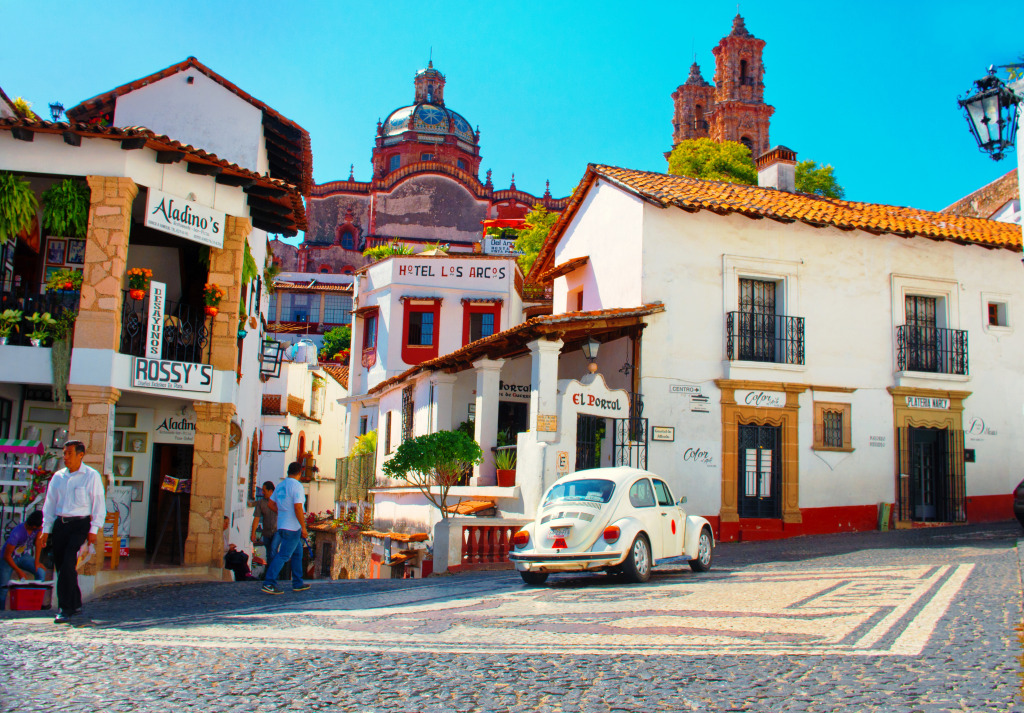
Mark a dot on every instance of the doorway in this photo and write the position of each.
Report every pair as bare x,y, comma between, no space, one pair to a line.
167,523
513,419
590,432
760,472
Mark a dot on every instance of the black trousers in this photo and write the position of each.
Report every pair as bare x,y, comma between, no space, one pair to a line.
67,538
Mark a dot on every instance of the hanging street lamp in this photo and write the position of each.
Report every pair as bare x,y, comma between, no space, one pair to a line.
992,113
284,439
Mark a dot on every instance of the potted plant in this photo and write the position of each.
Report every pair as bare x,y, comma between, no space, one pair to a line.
212,295
9,319
242,317
138,282
18,206
66,209
41,324
505,463
64,279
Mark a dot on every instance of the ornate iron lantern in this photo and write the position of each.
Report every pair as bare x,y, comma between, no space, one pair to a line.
992,114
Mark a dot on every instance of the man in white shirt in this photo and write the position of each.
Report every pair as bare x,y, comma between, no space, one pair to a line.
73,513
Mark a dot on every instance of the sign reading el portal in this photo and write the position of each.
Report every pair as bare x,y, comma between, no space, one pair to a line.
184,218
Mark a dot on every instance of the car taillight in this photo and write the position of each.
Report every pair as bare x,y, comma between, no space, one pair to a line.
521,538
611,533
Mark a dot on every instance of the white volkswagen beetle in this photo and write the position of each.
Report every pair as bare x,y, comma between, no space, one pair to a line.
619,520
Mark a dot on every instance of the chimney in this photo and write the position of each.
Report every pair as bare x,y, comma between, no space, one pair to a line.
776,168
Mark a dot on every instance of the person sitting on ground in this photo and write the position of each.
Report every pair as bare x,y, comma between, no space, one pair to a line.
15,560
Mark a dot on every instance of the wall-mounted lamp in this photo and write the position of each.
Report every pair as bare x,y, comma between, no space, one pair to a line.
60,435
590,348
284,439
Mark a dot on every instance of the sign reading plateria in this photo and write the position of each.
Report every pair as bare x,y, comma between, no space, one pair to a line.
184,218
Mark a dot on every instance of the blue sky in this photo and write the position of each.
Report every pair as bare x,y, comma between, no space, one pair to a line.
870,87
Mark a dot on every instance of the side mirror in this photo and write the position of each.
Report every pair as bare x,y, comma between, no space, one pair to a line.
682,501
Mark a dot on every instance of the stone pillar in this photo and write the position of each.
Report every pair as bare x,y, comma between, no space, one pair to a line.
544,377
106,253
205,543
92,423
444,392
226,271
488,376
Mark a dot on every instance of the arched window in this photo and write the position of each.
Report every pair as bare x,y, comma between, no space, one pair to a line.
426,157
394,163
347,241
347,270
698,117
746,141
325,269
743,72
461,164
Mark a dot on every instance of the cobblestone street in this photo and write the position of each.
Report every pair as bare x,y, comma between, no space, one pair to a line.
918,620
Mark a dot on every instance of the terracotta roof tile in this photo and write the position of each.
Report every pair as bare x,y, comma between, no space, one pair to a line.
311,286
565,268
338,373
692,194
524,332
301,148
291,202
985,201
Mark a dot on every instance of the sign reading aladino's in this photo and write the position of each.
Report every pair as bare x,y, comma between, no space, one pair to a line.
184,218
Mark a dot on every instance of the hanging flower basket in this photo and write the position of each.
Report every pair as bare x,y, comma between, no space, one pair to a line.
212,295
211,311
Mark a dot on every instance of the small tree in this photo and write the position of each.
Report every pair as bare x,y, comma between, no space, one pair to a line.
821,181
436,460
531,239
728,161
382,251
336,340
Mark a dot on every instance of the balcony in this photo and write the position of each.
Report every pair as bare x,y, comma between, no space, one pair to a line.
186,331
29,302
771,338
931,349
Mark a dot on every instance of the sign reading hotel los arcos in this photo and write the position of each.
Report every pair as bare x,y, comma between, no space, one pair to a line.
173,375
760,399
184,218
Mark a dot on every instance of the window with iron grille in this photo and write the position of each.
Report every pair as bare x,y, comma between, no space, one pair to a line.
832,426
337,309
272,309
407,413
387,433
299,307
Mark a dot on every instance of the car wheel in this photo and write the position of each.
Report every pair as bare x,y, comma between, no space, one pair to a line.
534,579
702,563
637,567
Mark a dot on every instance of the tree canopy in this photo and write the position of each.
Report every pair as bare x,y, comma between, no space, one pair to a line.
336,340
728,161
531,239
821,181
434,461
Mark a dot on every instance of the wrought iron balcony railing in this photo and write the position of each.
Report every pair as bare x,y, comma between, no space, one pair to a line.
932,349
29,302
771,338
186,330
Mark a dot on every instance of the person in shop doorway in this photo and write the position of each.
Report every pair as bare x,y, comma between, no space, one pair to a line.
265,511
73,513
291,532
16,561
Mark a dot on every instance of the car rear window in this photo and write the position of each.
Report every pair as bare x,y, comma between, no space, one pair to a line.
593,490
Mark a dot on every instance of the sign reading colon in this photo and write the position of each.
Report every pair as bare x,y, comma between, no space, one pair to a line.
761,399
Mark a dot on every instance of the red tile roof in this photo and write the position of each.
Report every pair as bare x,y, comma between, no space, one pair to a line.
692,195
985,201
565,268
311,286
515,338
299,147
338,373
290,204
7,100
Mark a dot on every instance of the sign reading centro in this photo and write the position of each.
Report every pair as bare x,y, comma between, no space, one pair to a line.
176,375
184,218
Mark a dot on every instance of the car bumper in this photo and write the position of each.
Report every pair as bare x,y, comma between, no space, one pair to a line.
564,562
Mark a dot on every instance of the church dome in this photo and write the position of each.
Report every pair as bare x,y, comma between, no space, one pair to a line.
429,118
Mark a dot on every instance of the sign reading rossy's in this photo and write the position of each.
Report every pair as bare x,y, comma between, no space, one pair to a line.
175,375
184,218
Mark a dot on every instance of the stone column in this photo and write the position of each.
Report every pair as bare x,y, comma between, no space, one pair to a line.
226,271
488,376
544,377
205,543
106,253
92,423
444,392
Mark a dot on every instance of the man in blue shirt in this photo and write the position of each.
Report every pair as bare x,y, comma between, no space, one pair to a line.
291,532
15,559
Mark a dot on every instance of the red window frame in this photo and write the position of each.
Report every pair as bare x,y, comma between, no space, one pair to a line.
369,350
469,308
416,353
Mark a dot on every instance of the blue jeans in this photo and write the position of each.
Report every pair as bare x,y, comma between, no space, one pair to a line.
290,548
26,563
